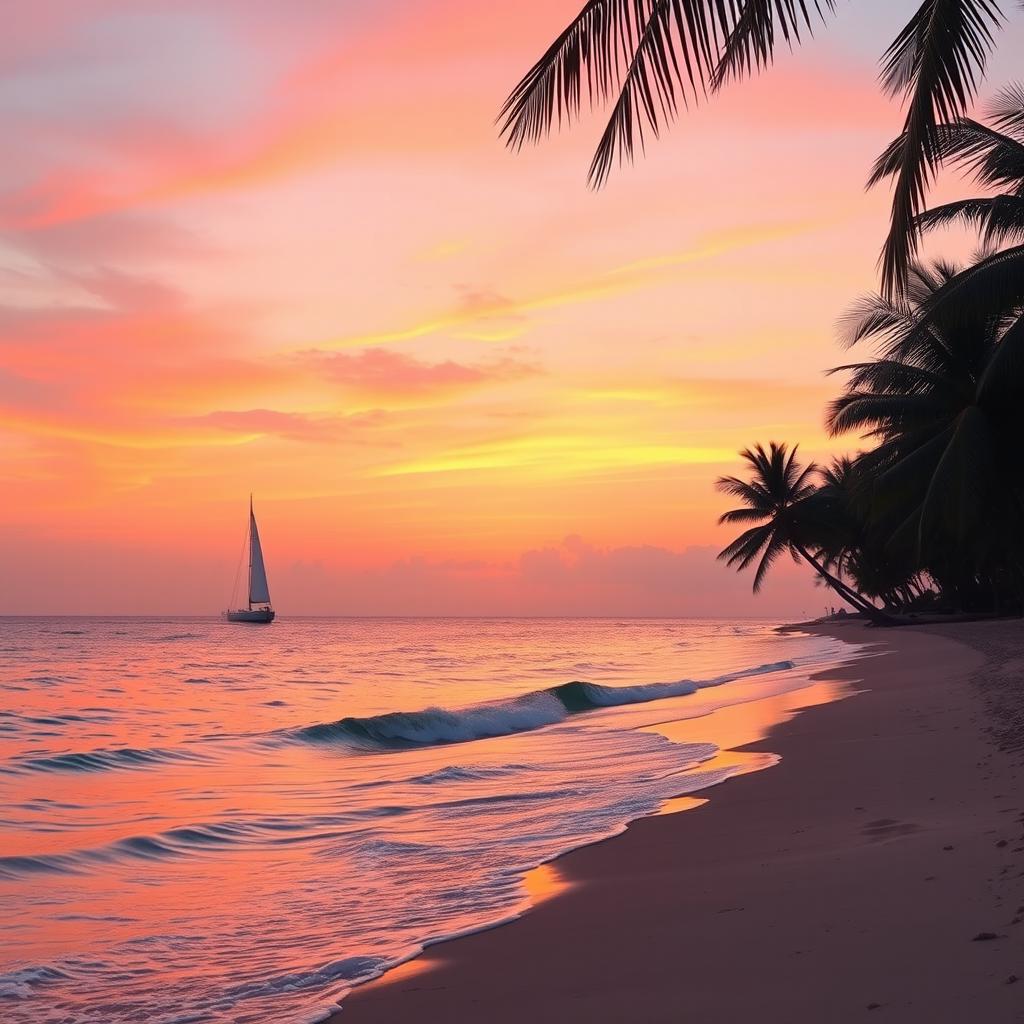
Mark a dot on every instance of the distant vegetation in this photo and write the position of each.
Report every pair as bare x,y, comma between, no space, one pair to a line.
930,517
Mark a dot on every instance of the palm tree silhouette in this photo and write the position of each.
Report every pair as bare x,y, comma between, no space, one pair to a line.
653,56
942,401
777,500
854,541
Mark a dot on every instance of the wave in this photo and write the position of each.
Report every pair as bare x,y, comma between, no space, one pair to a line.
534,710
468,773
99,761
12,720
134,848
22,982
197,840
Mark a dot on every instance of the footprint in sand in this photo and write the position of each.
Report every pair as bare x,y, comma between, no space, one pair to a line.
888,828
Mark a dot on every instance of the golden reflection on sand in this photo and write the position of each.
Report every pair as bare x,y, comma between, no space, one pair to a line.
742,724
682,803
544,883
410,969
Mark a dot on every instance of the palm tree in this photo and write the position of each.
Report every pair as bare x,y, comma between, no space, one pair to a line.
651,56
776,499
853,542
943,401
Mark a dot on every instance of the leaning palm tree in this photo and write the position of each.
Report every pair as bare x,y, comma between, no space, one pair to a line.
652,56
776,499
944,402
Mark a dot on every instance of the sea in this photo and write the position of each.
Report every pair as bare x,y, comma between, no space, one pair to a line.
213,822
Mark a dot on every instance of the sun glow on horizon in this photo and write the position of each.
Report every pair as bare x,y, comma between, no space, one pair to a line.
309,269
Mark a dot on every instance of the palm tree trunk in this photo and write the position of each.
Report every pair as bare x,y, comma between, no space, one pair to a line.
862,604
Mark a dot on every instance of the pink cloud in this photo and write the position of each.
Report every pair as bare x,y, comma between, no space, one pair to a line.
381,371
573,578
290,426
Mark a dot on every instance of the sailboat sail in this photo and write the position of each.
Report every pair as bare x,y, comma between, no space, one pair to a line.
259,592
258,606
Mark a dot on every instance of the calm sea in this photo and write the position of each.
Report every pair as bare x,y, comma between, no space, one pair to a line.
211,822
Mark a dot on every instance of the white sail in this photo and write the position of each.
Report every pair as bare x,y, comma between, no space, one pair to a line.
259,592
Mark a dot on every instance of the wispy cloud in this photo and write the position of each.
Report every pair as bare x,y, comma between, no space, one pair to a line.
720,243
564,455
243,425
488,316
387,374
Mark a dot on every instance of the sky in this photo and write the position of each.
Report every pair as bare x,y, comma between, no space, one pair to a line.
248,246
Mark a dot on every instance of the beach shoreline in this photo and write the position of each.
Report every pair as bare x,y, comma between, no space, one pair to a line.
852,877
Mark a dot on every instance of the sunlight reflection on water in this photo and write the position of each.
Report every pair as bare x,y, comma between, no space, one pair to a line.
176,839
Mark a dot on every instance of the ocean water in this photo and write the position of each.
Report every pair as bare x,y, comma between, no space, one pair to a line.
210,822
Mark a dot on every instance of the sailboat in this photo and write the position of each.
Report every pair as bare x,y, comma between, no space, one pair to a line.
259,608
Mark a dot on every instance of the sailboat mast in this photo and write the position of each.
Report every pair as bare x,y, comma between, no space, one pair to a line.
249,586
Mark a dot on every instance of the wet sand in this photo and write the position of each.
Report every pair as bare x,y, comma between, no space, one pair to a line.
852,881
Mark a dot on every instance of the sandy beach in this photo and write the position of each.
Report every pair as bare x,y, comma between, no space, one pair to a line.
875,872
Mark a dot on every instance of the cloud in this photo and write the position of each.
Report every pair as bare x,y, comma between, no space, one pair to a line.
257,105
571,578
487,315
385,374
126,292
126,239
721,242
250,424
559,455
120,371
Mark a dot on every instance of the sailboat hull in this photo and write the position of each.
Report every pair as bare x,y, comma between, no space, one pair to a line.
256,615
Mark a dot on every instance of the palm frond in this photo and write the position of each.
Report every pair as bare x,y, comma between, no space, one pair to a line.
924,279
1003,377
742,515
891,376
880,415
751,44
751,492
873,316
1007,110
993,158
934,63
650,56
982,291
999,219
651,53
746,547
591,47
775,547
649,92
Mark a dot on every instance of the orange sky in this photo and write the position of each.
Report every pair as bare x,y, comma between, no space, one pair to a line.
280,248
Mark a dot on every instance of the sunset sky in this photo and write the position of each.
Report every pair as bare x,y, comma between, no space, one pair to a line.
280,248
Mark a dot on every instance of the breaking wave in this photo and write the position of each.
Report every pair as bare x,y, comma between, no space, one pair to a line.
534,710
